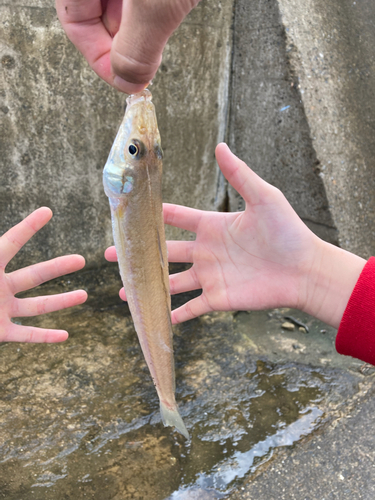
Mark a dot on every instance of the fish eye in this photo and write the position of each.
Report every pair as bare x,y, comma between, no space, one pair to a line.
135,148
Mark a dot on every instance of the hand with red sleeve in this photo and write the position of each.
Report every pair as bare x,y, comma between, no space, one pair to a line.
264,257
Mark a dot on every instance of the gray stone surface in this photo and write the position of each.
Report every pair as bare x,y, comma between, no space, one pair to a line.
57,124
191,95
330,46
268,127
302,110
58,121
336,464
337,460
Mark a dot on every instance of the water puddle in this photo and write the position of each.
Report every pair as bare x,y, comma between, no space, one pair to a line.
81,419
227,473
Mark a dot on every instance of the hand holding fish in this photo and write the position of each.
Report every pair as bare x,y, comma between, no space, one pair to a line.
17,281
122,40
263,257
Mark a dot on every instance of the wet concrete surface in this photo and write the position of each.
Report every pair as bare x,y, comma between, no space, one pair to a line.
266,408
338,463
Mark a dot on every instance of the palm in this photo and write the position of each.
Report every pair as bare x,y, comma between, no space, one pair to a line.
232,267
247,260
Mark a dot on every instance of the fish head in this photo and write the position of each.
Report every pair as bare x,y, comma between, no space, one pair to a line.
136,149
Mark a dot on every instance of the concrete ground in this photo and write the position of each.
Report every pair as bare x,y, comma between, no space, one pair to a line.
336,463
81,420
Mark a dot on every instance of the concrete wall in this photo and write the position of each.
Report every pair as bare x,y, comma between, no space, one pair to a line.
302,110
58,121
288,84
331,45
268,126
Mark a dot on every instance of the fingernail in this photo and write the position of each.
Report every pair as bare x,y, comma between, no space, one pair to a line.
128,87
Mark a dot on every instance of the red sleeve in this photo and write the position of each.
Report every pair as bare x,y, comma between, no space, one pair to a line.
356,334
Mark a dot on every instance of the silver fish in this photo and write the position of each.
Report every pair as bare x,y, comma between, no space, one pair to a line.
132,182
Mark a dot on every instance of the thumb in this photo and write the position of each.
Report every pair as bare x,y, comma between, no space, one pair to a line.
144,31
246,182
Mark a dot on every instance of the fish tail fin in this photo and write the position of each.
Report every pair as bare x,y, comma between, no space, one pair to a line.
173,419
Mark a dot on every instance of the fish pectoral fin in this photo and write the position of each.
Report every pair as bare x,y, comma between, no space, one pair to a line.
160,250
172,418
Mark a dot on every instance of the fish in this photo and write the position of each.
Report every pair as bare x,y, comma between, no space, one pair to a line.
132,180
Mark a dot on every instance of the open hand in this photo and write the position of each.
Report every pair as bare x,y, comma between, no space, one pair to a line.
122,40
256,259
23,279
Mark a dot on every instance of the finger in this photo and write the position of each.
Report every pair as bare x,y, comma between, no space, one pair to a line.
246,182
192,309
137,47
14,239
81,20
110,254
33,306
34,275
128,87
182,217
180,251
20,333
111,16
178,283
183,282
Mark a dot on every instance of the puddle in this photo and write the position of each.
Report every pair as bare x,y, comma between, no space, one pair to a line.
224,476
81,419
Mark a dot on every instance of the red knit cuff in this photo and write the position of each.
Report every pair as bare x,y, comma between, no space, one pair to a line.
356,333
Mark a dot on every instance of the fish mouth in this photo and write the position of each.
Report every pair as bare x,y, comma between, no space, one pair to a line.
143,96
140,118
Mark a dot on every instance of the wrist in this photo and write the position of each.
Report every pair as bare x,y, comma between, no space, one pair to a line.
328,282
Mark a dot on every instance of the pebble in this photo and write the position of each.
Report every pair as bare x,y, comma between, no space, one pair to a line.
288,326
